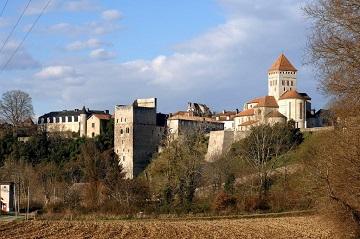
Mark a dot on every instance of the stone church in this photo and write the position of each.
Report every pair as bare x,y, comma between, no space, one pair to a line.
282,103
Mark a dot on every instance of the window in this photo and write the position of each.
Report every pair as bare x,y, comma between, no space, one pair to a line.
93,134
287,83
69,118
123,158
284,89
124,119
57,119
117,121
127,130
282,82
121,131
292,83
93,125
76,118
121,119
301,110
63,119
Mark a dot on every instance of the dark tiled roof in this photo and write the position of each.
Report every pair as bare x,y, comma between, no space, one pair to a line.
75,112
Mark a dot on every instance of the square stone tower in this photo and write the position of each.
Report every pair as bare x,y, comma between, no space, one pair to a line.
137,135
281,77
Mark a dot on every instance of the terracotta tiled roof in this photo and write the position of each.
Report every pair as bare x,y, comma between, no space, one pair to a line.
194,118
275,114
292,94
226,113
248,112
103,116
266,101
282,64
250,122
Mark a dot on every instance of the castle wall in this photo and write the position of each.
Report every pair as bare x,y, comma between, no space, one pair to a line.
219,143
123,138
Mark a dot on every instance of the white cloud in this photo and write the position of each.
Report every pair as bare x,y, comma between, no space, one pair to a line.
88,44
111,15
80,5
222,67
92,28
56,72
102,54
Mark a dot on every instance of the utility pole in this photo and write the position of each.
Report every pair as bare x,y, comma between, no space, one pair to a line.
28,203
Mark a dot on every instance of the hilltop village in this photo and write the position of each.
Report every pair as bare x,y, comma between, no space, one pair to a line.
139,129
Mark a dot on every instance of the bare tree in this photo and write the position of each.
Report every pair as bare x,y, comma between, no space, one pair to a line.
334,48
16,107
263,148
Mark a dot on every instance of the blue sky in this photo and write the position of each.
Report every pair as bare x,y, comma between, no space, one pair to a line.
102,53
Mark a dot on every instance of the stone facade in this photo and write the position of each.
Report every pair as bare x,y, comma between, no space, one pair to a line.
71,121
139,130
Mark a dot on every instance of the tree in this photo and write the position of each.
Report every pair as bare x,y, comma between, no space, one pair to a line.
335,49
176,172
16,107
263,148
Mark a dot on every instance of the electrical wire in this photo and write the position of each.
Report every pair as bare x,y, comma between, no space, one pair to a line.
14,27
25,36
3,9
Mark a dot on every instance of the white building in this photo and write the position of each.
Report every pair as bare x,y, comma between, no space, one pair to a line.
7,196
84,122
283,102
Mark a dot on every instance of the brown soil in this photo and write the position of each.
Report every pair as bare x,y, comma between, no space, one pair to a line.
282,227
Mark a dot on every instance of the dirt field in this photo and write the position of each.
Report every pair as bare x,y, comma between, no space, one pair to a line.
283,227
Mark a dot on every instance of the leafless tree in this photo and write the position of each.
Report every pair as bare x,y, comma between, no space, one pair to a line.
16,107
334,47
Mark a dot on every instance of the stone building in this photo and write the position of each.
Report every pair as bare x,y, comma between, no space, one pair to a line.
197,117
75,121
283,102
226,117
7,197
139,130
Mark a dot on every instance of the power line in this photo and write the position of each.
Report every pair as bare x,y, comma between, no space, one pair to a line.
14,27
25,36
3,9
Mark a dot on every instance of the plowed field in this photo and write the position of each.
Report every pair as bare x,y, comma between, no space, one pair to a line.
282,227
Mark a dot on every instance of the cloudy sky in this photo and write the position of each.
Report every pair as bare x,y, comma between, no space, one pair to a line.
102,53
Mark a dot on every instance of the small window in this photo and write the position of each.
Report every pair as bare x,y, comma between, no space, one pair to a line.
292,83
117,121
127,130
57,119
69,118
123,158
93,134
121,131
124,119
287,83
76,118
93,125
282,82
121,119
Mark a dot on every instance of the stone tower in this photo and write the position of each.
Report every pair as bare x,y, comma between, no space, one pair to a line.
281,77
83,123
137,135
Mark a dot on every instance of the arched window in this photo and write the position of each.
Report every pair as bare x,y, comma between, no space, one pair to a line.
121,131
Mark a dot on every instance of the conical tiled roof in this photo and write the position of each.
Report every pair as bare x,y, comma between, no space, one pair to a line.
282,64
